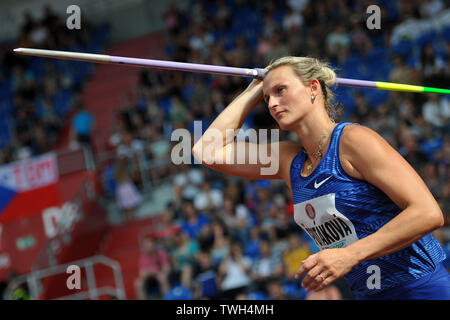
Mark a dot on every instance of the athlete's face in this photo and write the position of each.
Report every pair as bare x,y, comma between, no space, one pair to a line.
287,98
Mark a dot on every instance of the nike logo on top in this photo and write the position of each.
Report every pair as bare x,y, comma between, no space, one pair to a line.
317,185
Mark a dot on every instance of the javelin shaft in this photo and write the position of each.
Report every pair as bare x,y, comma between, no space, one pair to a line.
149,63
204,68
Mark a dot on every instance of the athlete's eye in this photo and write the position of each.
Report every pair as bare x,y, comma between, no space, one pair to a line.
281,89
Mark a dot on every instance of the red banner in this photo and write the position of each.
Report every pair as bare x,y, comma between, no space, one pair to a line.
27,187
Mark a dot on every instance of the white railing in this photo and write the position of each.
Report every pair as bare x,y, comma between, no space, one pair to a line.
34,280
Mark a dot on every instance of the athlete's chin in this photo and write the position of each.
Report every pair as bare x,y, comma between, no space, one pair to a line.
285,125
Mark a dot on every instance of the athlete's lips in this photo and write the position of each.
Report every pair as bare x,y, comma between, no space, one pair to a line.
277,114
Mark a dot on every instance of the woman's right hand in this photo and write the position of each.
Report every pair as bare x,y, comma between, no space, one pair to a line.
255,83
255,88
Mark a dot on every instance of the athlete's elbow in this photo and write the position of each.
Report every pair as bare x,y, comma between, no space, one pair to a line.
436,219
439,218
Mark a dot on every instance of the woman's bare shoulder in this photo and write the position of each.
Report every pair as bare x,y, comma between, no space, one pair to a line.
357,139
360,146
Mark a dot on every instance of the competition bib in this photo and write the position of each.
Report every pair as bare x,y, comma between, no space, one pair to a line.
324,223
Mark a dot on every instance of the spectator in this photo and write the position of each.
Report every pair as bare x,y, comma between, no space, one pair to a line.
189,180
208,199
236,218
276,291
183,257
50,121
384,122
132,150
430,64
206,238
410,149
264,202
338,40
221,242
436,110
297,5
205,278
154,269
431,179
278,48
293,257
401,72
40,141
173,20
127,196
362,110
279,245
83,126
234,272
267,267
179,114
193,223
251,247
406,114
292,20
430,8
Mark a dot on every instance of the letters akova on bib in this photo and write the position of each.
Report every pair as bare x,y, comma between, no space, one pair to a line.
324,223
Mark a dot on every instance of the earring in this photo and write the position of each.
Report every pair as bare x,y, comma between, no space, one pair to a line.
312,98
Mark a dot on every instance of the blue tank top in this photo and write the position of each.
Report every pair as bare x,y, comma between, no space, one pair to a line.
335,209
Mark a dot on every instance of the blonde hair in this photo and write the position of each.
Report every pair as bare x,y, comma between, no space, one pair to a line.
308,69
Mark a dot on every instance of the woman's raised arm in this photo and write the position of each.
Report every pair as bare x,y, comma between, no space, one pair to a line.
218,150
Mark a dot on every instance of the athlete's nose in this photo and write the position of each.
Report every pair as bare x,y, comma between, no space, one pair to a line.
272,103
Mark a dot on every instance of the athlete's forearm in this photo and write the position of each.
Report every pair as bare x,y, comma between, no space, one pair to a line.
230,119
406,228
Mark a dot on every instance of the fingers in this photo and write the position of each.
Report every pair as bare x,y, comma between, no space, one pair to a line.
256,85
256,81
307,265
311,278
324,283
318,275
320,281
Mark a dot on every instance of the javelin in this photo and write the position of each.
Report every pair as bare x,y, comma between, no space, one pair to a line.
204,68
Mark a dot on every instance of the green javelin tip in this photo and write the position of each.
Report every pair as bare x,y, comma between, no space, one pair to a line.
436,90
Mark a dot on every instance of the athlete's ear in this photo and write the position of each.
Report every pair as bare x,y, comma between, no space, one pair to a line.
314,87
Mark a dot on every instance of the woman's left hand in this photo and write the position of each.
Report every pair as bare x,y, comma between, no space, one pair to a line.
324,267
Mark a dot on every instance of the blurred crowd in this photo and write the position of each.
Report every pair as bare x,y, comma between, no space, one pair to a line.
236,238
38,96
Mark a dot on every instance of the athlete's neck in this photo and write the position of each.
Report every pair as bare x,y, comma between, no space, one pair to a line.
311,131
